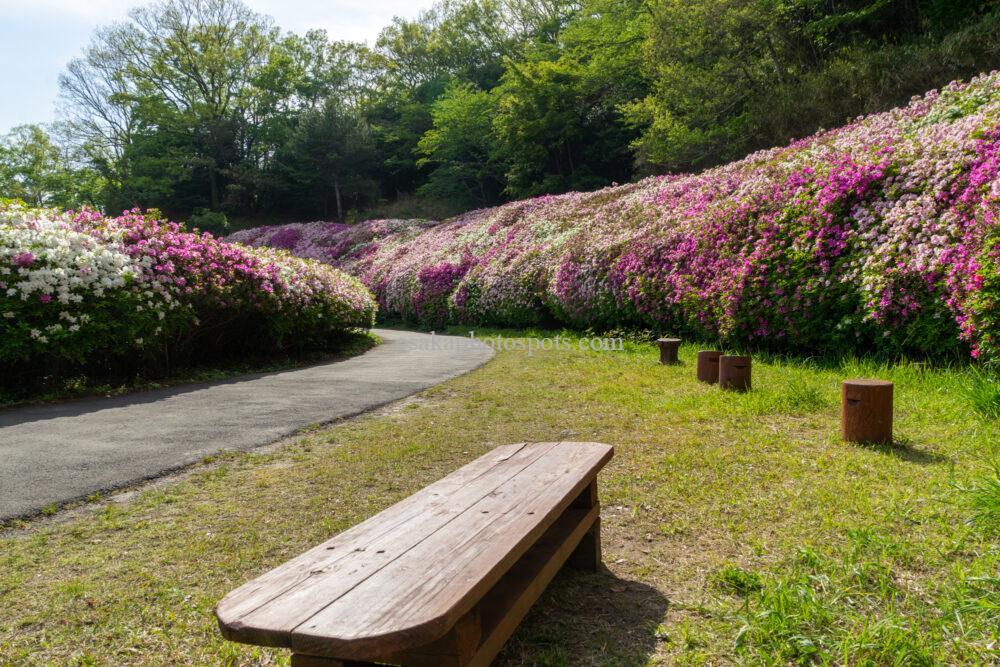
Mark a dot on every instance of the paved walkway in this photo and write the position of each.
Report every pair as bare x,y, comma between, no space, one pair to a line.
58,453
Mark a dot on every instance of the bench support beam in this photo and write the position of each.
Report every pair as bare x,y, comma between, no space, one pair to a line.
453,650
587,555
508,602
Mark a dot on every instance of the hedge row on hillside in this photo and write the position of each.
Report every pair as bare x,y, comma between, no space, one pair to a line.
882,234
81,291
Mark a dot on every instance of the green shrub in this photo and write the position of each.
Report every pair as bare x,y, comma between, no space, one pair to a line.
206,220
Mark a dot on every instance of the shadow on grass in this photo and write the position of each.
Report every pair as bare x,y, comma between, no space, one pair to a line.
589,619
189,380
79,394
904,449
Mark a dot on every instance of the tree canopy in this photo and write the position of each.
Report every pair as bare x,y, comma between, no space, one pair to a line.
201,107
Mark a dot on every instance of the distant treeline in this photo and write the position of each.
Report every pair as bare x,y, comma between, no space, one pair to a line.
205,109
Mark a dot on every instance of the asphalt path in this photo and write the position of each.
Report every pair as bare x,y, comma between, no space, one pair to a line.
53,454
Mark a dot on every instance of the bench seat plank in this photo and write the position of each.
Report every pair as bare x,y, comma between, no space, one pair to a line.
403,578
344,560
422,593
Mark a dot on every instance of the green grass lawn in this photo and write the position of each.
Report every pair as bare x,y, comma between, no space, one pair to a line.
737,528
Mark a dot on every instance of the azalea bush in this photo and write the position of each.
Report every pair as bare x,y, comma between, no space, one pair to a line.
330,241
879,235
82,291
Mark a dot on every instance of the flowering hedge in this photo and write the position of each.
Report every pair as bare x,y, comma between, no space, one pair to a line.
882,234
76,288
328,241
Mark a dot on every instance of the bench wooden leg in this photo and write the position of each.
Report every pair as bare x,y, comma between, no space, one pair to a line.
453,650
587,555
503,608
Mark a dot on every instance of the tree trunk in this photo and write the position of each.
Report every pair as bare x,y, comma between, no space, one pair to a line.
213,185
340,206
778,69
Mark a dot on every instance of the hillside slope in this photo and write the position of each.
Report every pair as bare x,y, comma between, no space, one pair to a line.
879,234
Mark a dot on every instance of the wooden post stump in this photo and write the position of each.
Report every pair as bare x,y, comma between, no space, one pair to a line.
734,372
866,411
668,349
708,366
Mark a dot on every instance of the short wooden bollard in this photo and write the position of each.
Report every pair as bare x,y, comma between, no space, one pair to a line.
734,372
708,366
866,411
668,349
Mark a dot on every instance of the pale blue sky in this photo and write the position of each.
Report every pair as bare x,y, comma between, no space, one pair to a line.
38,38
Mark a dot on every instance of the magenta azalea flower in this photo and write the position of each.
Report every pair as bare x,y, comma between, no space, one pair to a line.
23,260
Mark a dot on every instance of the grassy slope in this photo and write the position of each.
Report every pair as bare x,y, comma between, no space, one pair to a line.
717,507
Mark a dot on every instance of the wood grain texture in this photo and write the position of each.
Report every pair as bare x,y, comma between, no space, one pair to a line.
253,612
455,649
422,593
866,411
507,603
587,555
668,349
708,366
734,372
404,578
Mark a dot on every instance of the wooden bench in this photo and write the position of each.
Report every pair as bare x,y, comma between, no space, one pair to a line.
441,578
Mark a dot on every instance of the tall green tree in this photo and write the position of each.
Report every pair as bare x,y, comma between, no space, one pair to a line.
456,44
459,148
731,76
205,106
328,159
40,171
182,67
559,122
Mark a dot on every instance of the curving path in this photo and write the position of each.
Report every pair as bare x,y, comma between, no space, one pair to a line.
62,452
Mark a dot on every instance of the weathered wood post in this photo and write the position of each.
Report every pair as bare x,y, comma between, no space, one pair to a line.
708,366
866,411
734,372
668,349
